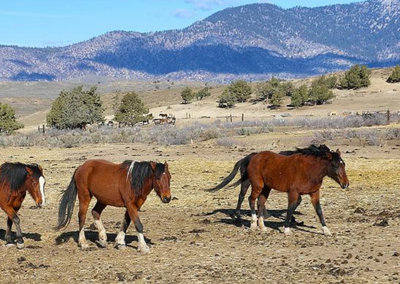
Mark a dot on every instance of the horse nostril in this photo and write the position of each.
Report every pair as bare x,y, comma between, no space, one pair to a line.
166,199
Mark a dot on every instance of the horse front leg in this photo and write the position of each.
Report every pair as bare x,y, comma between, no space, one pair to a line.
8,232
12,215
134,215
96,213
120,239
318,209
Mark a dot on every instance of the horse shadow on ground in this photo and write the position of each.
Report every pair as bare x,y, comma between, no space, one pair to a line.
92,236
32,236
275,225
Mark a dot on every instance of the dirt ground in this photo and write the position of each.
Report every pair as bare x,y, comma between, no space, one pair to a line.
194,239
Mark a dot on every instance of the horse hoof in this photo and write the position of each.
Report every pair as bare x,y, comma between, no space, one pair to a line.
326,231
287,232
263,229
103,244
143,249
9,245
253,227
84,246
20,246
120,246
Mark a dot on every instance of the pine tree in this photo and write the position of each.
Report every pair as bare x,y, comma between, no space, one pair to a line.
131,109
75,109
8,121
187,95
300,96
241,90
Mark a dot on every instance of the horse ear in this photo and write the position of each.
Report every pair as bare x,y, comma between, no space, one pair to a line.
166,164
29,170
338,151
153,166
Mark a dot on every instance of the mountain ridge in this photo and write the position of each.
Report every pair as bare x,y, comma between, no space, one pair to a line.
253,41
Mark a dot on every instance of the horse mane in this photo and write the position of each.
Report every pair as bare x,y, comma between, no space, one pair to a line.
15,174
140,172
312,150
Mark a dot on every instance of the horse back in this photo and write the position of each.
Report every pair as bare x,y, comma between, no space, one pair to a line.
104,180
280,172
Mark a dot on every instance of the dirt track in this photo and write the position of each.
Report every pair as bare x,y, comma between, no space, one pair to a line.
194,239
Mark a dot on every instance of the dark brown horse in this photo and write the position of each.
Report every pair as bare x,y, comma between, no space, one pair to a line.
244,181
296,172
15,180
121,185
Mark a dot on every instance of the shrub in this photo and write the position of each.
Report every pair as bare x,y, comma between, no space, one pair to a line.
395,76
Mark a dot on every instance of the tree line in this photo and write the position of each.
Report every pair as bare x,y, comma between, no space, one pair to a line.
78,107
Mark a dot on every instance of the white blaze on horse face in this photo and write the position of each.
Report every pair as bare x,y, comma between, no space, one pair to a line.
42,182
130,170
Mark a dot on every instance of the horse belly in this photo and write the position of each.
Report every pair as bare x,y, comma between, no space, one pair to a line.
107,194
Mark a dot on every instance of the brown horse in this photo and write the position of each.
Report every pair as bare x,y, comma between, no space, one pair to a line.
15,180
244,180
121,185
295,172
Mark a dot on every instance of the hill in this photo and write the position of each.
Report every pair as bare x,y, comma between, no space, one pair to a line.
251,42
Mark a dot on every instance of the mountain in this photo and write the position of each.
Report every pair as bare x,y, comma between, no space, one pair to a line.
252,42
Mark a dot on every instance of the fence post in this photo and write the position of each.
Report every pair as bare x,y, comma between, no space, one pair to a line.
242,117
388,117
230,117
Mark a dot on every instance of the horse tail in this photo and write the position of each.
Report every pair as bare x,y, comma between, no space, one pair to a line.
67,204
243,170
245,161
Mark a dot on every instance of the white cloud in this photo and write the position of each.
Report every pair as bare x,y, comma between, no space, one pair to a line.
183,14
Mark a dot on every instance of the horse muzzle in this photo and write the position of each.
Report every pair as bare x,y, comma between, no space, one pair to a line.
345,185
166,199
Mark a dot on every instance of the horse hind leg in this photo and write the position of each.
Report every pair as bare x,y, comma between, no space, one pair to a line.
293,197
96,213
243,190
255,193
84,201
261,208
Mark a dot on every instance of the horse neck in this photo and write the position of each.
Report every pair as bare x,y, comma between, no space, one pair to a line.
319,169
147,187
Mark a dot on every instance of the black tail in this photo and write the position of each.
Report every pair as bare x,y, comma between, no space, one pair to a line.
67,204
243,170
242,164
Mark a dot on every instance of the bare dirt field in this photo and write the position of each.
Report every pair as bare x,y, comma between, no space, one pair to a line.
194,239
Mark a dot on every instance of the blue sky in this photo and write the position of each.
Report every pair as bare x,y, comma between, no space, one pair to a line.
61,22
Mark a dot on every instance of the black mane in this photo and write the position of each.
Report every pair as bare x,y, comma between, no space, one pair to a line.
320,151
312,150
140,172
14,174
